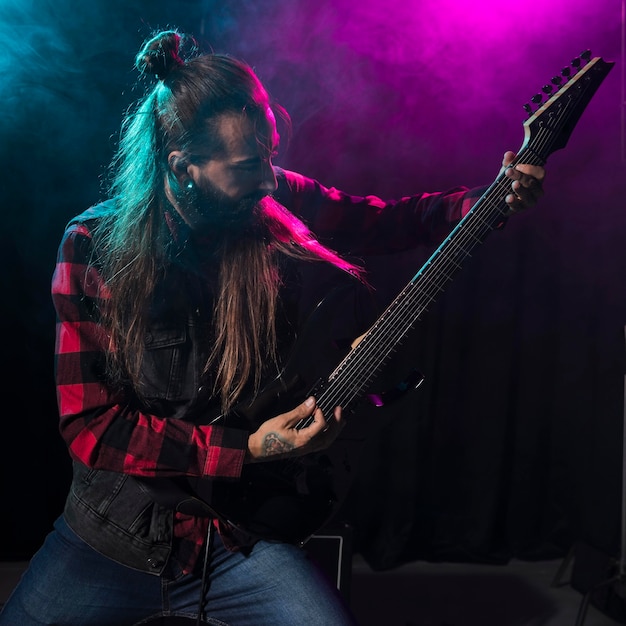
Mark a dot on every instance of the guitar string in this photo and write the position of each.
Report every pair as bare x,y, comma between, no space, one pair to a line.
468,236
428,284
360,365
412,302
348,381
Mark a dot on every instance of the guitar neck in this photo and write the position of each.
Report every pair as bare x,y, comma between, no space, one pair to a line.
546,130
353,376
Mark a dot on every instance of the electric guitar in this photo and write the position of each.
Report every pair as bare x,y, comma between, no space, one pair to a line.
289,500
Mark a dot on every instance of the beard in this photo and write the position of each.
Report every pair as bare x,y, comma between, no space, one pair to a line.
208,211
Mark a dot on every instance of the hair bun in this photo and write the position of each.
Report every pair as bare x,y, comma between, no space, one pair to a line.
163,53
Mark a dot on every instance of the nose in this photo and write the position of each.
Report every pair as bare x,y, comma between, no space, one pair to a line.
268,182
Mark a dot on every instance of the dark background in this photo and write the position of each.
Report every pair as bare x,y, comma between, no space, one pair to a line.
513,446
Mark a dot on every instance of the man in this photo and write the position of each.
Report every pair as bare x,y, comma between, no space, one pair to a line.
177,299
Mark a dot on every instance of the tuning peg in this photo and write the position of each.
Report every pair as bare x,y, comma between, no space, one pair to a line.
528,108
576,62
556,80
566,71
586,55
547,88
537,98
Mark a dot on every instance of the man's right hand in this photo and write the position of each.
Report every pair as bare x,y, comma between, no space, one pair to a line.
278,438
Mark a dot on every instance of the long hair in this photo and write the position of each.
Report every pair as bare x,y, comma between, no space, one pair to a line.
134,240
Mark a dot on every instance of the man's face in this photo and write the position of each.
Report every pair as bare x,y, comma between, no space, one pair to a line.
231,182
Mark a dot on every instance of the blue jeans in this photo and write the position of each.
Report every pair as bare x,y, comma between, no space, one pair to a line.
68,583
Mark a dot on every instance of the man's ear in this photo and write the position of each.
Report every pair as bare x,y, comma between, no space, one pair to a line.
178,165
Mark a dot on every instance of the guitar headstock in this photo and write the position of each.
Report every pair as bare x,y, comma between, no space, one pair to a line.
550,126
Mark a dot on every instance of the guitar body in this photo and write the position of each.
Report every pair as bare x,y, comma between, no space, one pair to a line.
290,499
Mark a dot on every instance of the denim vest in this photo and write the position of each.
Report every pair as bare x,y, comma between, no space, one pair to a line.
116,514
113,512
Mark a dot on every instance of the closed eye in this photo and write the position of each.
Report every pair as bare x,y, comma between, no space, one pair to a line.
255,162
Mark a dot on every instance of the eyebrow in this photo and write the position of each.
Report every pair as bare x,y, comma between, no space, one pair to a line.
247,161
256,157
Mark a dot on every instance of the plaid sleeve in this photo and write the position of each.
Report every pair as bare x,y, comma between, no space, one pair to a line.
98,427
366,225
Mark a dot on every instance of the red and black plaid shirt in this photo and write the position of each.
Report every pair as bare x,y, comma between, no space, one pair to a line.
103,433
